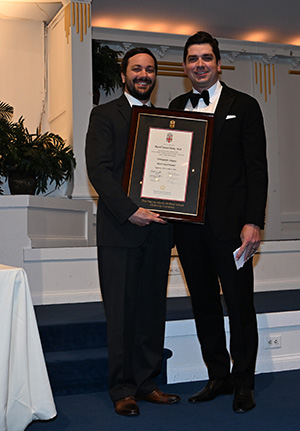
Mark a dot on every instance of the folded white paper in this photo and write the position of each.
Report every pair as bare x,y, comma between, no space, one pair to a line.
240,263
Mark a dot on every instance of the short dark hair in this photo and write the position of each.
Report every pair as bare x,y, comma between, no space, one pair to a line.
199,38
135,51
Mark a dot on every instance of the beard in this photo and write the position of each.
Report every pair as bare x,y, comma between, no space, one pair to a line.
140,94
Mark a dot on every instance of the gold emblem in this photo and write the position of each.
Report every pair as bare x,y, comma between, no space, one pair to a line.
172,124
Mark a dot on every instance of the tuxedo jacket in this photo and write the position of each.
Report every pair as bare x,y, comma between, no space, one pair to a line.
106,144
238,179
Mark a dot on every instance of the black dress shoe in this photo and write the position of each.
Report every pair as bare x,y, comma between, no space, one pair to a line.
212,390
127,407
243,400
159,397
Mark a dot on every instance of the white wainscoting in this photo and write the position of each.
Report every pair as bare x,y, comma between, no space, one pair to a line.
186,364
51,239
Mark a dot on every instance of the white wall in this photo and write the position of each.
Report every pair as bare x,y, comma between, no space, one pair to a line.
46,76
22,69
70,83
288,94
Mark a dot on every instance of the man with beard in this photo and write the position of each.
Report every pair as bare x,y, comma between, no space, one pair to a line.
134,247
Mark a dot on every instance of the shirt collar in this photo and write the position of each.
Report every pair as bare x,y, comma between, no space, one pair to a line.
214,90
133,101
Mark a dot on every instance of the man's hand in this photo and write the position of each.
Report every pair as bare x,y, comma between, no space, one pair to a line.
250,237
143,217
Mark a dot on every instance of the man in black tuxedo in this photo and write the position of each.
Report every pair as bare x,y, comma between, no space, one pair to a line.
235,213
134,247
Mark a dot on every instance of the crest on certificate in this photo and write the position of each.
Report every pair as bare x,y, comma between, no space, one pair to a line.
169,138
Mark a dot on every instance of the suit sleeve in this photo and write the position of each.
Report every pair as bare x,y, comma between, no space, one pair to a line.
104,167
254,147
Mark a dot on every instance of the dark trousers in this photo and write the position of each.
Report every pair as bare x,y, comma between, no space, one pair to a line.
133,283
205,259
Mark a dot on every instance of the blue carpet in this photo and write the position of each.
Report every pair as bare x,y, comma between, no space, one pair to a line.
177,308
74,341
277,398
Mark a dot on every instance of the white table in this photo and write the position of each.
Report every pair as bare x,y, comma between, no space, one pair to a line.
25,393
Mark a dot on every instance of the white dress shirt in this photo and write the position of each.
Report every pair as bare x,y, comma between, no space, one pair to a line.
214,95
136,102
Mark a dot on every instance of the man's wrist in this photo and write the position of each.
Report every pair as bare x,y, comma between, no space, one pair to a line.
253,225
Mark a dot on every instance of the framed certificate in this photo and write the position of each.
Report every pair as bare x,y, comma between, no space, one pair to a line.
167,162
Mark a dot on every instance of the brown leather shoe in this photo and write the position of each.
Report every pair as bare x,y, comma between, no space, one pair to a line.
127,407
159,397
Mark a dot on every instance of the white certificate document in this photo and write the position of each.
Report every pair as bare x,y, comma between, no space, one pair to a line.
167,164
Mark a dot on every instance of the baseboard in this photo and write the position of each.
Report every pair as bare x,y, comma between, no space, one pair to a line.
187,364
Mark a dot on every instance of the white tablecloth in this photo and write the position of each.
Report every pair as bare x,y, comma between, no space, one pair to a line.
25,393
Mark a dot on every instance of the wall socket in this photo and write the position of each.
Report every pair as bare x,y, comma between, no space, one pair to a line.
272,341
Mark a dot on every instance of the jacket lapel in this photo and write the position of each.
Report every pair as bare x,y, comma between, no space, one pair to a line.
226,99
124,108
181,101
186,98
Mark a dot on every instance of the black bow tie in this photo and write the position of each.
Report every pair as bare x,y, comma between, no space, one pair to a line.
194,98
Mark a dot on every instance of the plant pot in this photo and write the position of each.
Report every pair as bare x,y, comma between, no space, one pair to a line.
21,183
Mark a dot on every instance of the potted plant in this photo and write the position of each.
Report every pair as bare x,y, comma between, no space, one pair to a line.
37,159
106,70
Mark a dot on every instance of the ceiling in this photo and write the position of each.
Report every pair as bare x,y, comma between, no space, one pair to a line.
272,21
29,9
